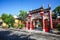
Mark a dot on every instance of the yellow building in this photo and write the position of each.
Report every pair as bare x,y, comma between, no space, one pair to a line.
16,22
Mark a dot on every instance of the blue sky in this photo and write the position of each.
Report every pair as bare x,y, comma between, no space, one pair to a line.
13,6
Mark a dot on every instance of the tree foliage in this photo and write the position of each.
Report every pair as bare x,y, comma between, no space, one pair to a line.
8,19
23,14
4,16
57,9
54,16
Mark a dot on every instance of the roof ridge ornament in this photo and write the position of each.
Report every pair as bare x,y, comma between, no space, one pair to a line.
43,5
49,6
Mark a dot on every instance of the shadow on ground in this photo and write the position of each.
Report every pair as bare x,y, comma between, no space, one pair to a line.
4,35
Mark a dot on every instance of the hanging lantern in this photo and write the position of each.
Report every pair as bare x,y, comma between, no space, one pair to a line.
41,13
29,15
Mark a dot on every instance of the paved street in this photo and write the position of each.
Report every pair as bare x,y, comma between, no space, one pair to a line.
18,35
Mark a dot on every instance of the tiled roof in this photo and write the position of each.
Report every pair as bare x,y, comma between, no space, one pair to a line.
39,9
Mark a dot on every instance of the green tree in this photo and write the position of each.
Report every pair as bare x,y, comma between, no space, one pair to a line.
4,16
8,19
57,9
23,14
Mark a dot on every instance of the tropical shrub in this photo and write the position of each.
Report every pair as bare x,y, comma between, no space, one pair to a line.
21,26
58,27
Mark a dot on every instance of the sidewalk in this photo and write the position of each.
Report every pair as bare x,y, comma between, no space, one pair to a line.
37,32
42,33
33,32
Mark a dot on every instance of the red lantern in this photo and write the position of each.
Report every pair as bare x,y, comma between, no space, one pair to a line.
29,15
41,13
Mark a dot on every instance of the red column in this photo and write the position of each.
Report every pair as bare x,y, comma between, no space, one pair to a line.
42,14
26,25
51,19
31,25
46,25
43,24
